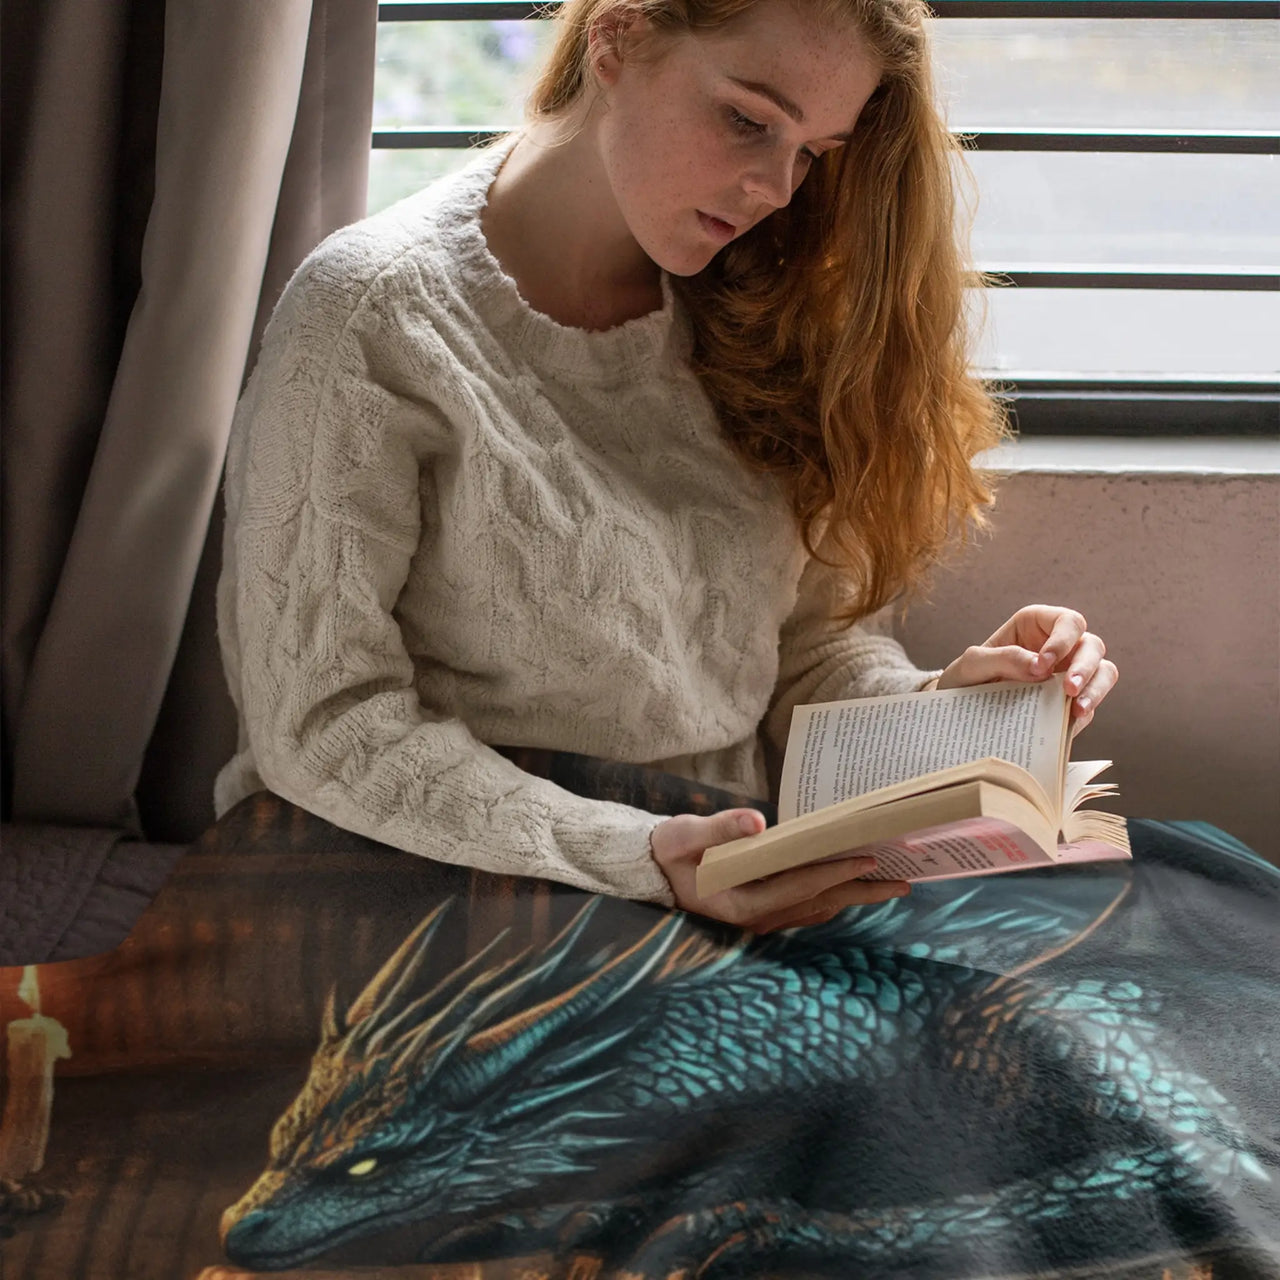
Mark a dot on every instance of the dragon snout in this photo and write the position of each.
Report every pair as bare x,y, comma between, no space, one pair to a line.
239,1234
245,1220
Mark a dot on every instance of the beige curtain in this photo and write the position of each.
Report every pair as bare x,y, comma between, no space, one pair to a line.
166,167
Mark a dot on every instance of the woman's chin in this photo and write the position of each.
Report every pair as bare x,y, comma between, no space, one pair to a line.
686,261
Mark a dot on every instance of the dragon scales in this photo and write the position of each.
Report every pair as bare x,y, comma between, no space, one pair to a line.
704,1102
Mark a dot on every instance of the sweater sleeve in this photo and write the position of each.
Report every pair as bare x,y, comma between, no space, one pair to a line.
326,483
820,661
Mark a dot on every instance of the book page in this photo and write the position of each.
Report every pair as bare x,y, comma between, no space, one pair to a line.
974,847
841,749
1079,785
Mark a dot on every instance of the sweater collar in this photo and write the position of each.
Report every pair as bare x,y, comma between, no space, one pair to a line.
626,353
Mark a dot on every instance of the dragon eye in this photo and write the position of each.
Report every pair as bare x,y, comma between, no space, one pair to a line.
363,1167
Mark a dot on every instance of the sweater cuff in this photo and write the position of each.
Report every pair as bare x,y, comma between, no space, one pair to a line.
657,888
618,863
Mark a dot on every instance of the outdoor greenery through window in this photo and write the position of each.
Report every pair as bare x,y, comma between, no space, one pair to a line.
1051,219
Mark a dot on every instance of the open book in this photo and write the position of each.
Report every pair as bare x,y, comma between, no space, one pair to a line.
935,785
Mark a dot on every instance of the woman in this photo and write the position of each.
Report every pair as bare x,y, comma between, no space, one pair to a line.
606,444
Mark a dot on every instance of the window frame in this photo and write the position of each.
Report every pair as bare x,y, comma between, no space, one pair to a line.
1088,405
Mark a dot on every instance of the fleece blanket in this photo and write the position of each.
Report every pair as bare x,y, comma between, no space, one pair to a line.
319,1056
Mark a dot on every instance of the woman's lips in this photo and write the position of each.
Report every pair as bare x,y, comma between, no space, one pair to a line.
717,228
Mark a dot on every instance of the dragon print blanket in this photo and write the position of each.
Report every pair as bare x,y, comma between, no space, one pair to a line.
316,1056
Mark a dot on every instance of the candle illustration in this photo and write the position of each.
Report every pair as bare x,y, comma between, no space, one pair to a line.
34,1044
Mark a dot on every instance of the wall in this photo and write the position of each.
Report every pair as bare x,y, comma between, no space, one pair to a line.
1179,572
1177,568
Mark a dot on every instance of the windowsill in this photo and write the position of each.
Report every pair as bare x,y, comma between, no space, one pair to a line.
1111,455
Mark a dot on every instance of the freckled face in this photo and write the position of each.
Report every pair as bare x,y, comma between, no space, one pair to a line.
694,157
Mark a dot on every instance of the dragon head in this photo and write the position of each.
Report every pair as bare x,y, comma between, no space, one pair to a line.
418,1106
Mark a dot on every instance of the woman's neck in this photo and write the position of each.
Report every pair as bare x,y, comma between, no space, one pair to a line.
554,227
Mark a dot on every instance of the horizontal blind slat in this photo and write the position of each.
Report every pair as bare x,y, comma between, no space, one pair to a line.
472,10
1207,142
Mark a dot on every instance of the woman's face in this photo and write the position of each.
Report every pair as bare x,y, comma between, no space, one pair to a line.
716,133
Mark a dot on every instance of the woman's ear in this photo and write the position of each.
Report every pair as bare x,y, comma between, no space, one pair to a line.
610,38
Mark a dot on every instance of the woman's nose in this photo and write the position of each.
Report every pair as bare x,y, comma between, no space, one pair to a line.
772,179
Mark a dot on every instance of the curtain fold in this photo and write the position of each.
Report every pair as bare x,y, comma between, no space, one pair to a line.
61,339
324,186
125,353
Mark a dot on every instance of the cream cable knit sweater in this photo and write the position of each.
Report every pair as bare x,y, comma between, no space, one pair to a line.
452,521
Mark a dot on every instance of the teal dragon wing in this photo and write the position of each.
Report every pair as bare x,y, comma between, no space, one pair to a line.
1002,924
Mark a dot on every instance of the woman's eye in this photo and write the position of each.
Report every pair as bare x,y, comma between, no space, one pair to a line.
745,123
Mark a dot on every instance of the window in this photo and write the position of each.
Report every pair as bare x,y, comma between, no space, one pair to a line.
1125,154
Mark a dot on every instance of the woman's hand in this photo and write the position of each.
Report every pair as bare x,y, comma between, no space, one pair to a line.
1037,641
805,895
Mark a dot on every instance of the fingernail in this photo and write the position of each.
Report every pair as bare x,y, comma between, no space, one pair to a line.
1045,659
1083,703
1075,680
902,893
747,825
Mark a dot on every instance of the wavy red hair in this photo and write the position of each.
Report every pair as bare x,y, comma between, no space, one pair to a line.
833,338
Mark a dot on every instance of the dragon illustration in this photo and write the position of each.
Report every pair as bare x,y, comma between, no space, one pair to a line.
829,1101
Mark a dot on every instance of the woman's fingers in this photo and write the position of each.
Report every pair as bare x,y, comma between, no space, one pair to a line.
688,834
1100,683
1030,627
980,664
1082,666
1050,630
788,890
1037,641
777,901
821,909
809,888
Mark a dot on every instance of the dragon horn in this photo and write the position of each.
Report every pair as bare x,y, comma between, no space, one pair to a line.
331,1030
429,1014
495,1050
425,1017
559,947
529,985
419,1045
429,1005
444,991
387,986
